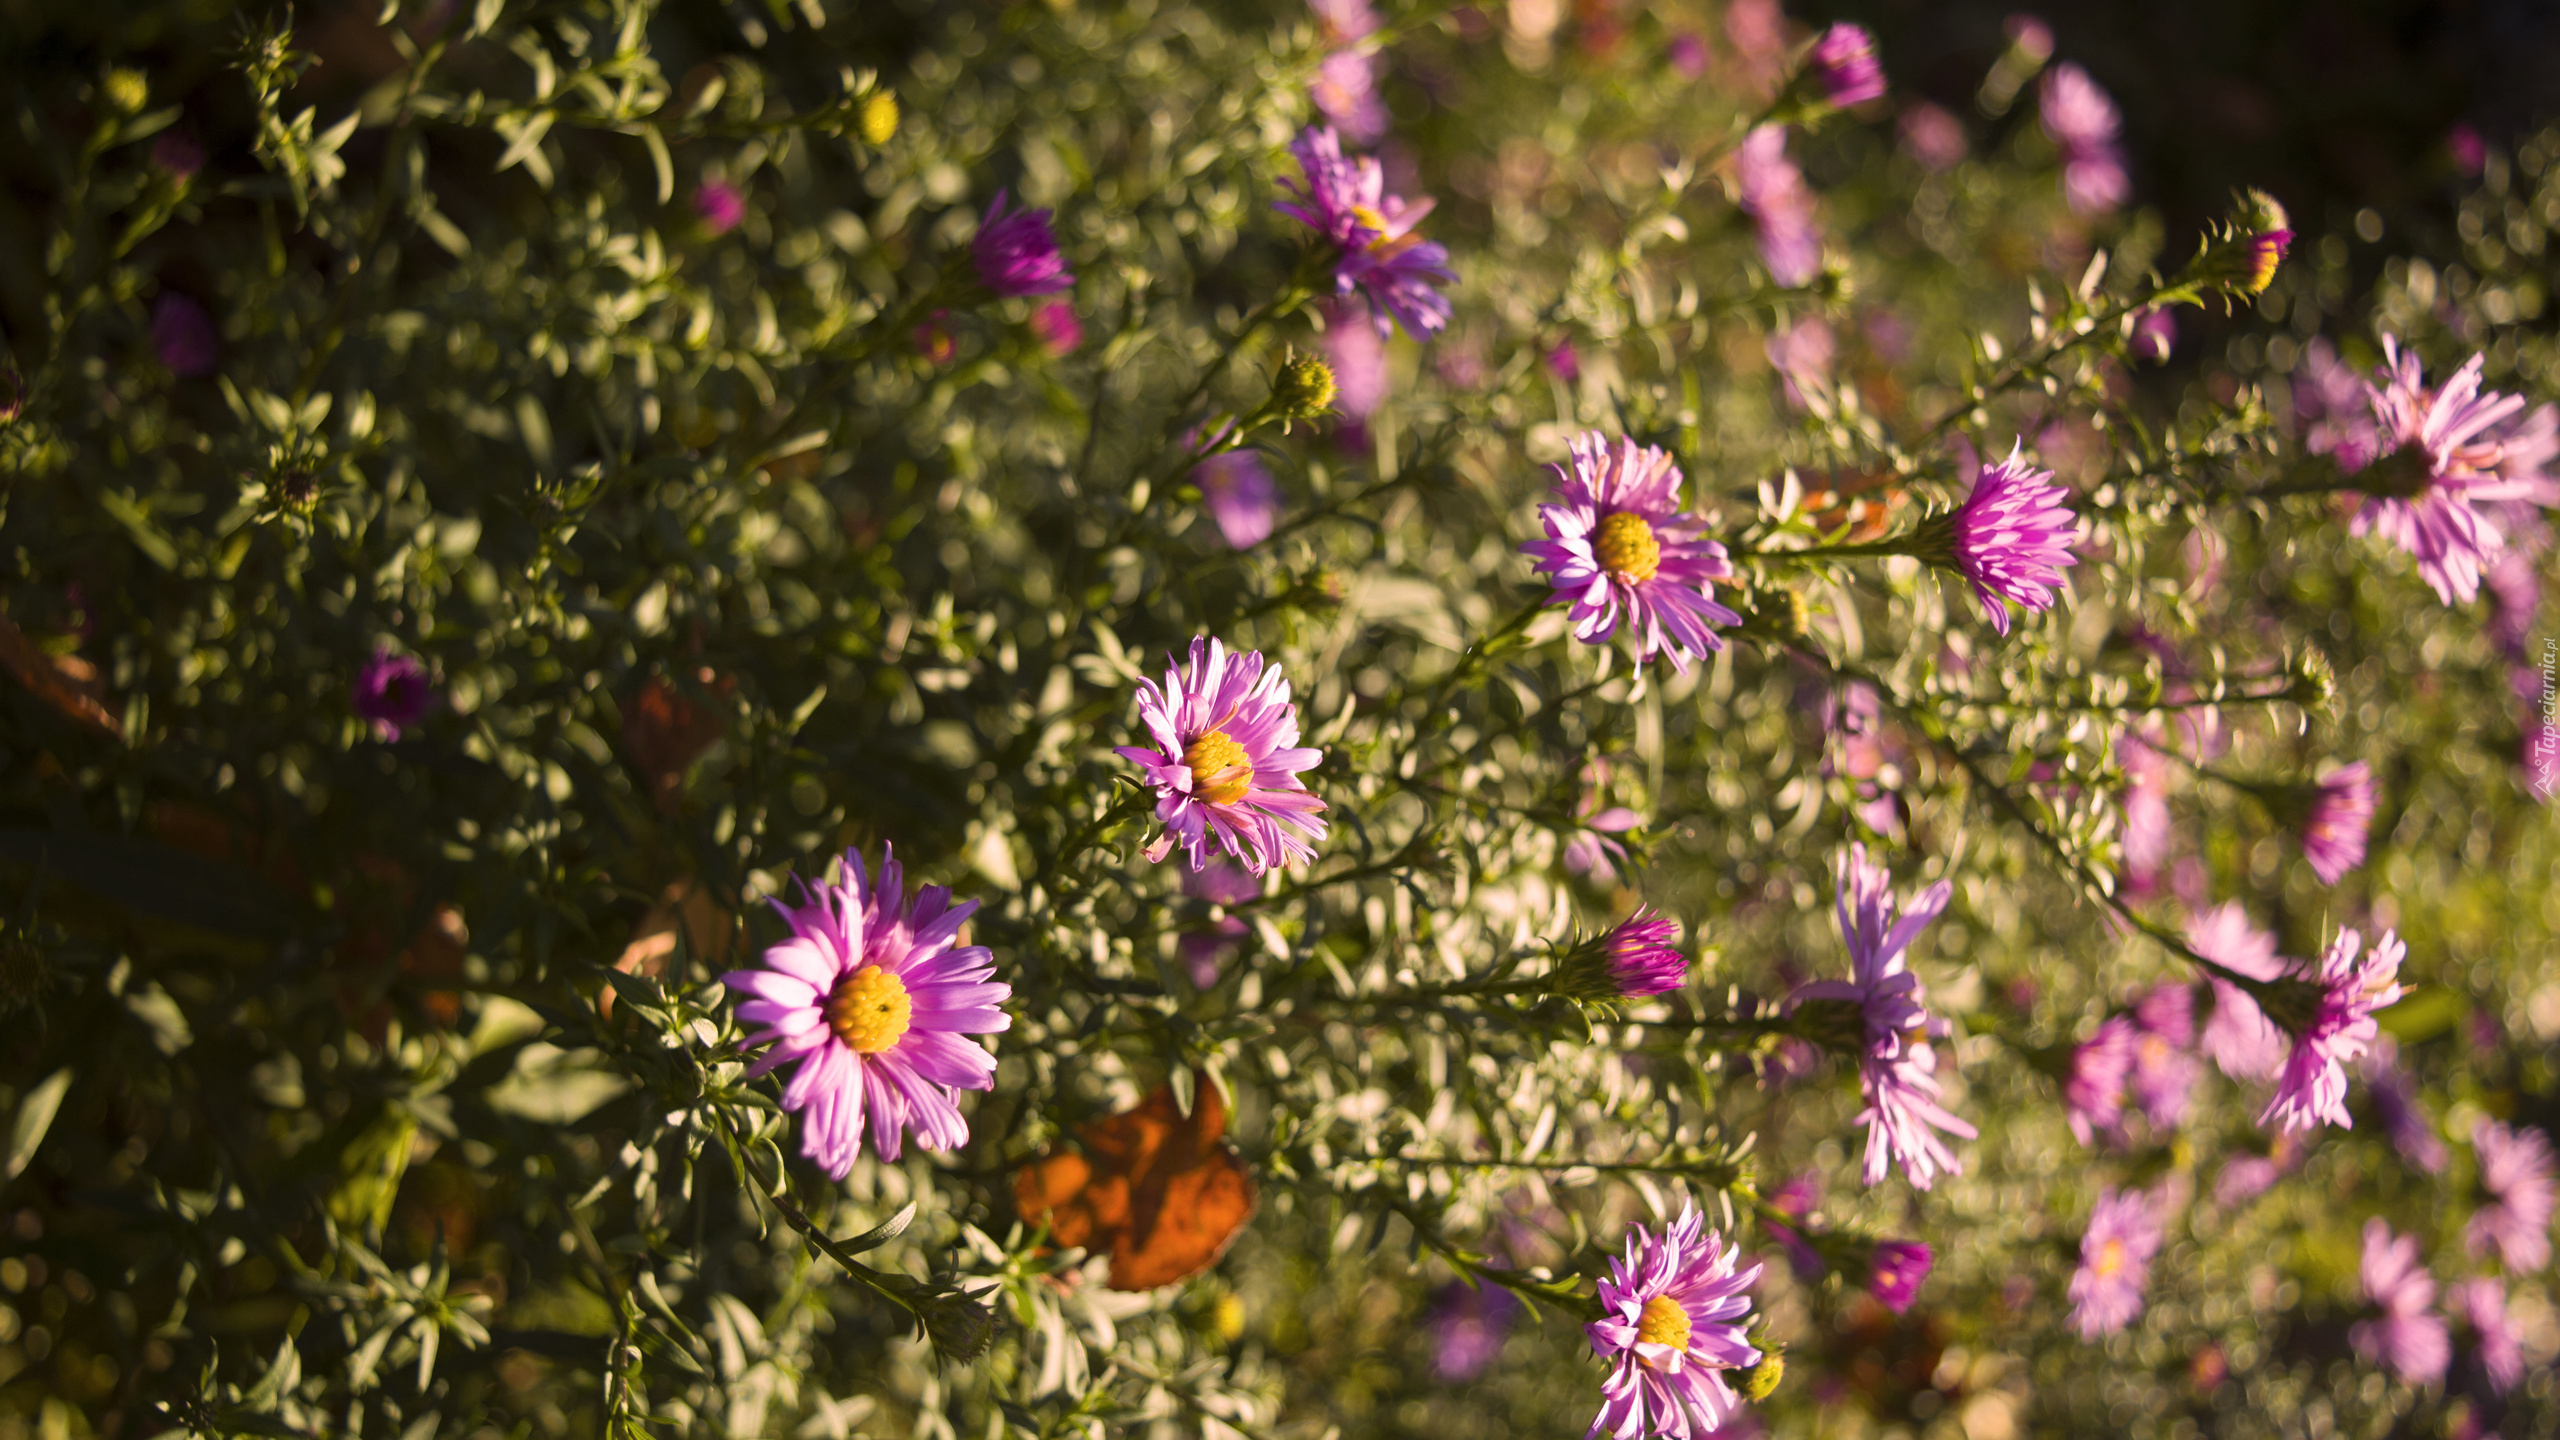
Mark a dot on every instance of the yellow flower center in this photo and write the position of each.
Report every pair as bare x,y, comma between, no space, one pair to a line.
1221,771
870,1011
2110,1259
1626,547
1370,218
1663,1322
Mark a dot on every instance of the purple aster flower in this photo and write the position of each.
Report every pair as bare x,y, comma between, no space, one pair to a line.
1225,762
1237,490
2093,1090
1671,1324
1643,954
2404,1119
2513,1222
2155,334
183,336
2333,408
2164,1068
2082,123
391,692
1358,357
2313,1085
1773,194
1900,1266
1345,91
2246,1177
1687,53
1057,329
2115,1262
1616,541
1881,1010
2407,1339
2464,447
1344,21
1591,852
2338,812
2239,1036
1345,200
1017,254
1843,62
720,204
870,997
1561,360
2482,1304
1468,1324
2009,539
1203,951
1933,136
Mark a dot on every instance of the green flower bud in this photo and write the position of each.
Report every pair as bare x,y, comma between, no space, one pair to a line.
126,91
1761,1380
1304,387
879,117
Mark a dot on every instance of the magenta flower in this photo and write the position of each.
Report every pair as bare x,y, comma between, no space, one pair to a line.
1900,1267
1057,329
1933,136
1345,200
1358,356
934,339
1687,53
2082,123
2339,812
2482,1303
870,997
391,693
1237,490
1345,91
1617,542
1843,63
2164,1068
2010,539
2313,1085
1344,21
2093,1090
1017,254
2474,450
182,335
1643,954
2468,152
2404,1119
720,204
2115,1262
2513,1222
1670,1326
1225,762
2406,1339
2239,1036
1591,852
1468,1324
1772,192
1882,1010
2155,334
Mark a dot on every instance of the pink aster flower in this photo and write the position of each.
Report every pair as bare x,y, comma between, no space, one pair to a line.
1617,542
1345,91
1772,192
1591,851
2010,539
2313,1085
2165,1070
1794,1198
2115,1262
2407,1339
2333,409
2482,1304
2461,448
1687,53
2093,1090
720,204
1226,760
870,997
1057,329
391,693
2337,812
1345,200
1881,1011
1933,136
2082,123
1344,21
1671,1324
1895,1278
1643,954
1237,490
2513,1222
1843,65
1017,254
2239,1036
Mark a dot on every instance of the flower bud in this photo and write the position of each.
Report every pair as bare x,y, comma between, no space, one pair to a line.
960,1327
2315,680
879,117
1761,1380
2239,256
298,491
126,91
1304,387
1843,66
1632,959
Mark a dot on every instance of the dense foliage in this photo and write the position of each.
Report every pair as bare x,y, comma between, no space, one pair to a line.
498,492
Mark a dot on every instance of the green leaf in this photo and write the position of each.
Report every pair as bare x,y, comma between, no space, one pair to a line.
35,1117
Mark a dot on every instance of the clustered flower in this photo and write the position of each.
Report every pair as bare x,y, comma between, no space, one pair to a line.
1377,255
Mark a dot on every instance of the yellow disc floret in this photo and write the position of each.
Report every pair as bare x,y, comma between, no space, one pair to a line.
1626,548
1663,1322
870,1011
1369,217
1221,771
2110,1259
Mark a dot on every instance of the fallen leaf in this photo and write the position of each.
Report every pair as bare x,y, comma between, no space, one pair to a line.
665,731
1158,1190
67,682
709,931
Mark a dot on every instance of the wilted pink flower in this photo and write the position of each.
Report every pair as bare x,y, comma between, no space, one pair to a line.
2406,1339
182,334
1056,327
1844,66
2339,812
1617,545
871,995
2115,1262
1773,194
2239,1036
2482,1304
1017,254
1933,136
2513,1222
2165,1070
2093,1090
2313,1085
1671,1324
391,693
2082,123
2010,539
1881,1011
720,204
2471,447
1225,762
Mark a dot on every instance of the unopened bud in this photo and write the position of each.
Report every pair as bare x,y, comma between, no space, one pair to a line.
298,490
2240,255
879,117
1304,388
2315,680
1630,960
127,91
960,1327
1761,1380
